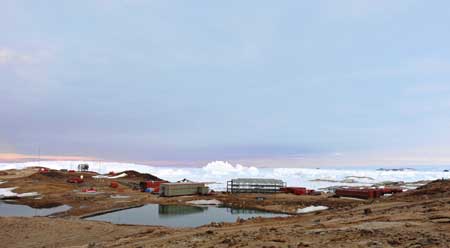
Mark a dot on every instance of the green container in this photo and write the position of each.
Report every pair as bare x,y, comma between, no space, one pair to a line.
179,189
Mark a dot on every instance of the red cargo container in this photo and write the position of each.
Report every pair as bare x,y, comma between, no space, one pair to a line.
91,190
284,190
297,190
364,193
75,180
154,185
114,184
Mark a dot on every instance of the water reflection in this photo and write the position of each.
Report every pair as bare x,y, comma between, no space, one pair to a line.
179,209
243,211
179,215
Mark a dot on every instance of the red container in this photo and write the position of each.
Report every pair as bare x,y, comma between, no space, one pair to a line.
75,180
358,193
285,190
299,191
91,190
114,185
151,184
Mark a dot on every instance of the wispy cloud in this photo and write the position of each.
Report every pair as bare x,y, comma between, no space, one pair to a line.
26,69
361,9
9,56
418,157
15,157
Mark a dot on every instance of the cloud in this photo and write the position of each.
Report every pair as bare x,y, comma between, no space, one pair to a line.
9,56
24,58
362,9
26,70
421,156
14,157
429,88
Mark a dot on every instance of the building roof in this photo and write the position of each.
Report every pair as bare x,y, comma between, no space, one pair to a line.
257,181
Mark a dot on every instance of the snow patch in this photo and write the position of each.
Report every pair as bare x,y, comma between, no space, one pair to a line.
28,194
110,177
311,209
7,192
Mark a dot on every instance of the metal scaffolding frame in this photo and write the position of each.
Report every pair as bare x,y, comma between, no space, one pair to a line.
254,185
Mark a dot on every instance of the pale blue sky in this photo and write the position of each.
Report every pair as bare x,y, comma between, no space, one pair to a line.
200,80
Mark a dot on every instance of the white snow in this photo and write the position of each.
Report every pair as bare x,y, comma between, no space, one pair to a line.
28,194
110,177
1,182
311,209
7,192
205,202
220,172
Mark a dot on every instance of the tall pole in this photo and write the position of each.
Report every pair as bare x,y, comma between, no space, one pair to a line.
39,155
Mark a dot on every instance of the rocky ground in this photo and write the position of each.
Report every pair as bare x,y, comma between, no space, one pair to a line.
419,218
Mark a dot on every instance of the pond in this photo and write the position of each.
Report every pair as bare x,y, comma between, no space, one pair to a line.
180,215
7,209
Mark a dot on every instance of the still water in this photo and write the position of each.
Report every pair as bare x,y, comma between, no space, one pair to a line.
7,209
180,216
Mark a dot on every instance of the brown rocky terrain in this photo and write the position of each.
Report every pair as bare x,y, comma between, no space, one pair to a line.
418,218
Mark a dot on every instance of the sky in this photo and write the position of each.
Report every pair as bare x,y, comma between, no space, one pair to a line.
290,83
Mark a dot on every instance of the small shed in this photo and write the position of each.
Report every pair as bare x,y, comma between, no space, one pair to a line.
255,185
178,189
